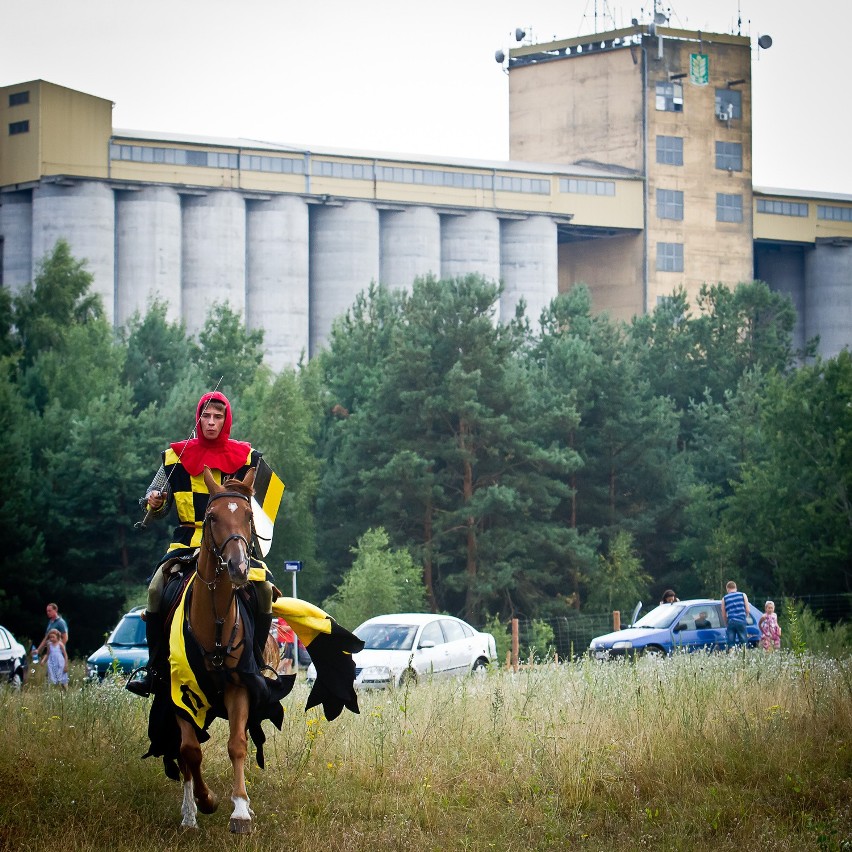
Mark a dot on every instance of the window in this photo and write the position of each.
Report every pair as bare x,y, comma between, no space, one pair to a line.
781,208
669,204
587,187
670,97
670,150
729,103
835,214
432,633
670,257
452,630
18,98
729,208
17,127
729,156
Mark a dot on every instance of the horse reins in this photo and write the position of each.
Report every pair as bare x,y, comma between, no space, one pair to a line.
220,653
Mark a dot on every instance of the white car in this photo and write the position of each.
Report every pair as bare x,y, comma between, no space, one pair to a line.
13,659
407,647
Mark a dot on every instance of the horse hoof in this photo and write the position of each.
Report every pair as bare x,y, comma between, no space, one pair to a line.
208,805
240,826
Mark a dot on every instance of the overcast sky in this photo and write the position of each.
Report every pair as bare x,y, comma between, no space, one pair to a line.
408,78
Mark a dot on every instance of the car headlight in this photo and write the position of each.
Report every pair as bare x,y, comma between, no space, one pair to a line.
375,674
595,644
620,646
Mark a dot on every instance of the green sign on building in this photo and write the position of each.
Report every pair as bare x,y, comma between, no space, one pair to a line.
699,68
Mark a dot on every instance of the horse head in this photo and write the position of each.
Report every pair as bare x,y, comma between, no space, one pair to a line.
228,524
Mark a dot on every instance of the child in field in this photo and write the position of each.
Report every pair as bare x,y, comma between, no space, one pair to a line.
770,632
57,660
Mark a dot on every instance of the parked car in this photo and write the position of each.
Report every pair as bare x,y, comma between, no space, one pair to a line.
407,647
13,659
126,648
693,625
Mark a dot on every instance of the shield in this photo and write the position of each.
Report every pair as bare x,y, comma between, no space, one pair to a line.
268,491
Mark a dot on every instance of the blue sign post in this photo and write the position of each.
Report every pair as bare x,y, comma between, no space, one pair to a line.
293,567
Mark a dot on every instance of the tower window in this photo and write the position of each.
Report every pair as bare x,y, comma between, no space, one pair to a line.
729,208
18,98
670,150
17,127
729,156
670,257
670,97
729,103
669,204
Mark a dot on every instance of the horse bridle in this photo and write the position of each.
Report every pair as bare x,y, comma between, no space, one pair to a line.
218,549
220,653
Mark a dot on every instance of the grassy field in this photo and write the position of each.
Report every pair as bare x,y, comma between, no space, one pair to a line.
711,753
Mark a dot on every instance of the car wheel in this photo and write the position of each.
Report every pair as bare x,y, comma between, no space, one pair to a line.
653,651
408,678
480,667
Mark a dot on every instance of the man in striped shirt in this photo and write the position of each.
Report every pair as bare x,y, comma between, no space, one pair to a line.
735,615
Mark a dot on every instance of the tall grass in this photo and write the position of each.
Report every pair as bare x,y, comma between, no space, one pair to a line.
711,752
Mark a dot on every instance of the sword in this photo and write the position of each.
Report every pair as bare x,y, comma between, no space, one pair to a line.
143,524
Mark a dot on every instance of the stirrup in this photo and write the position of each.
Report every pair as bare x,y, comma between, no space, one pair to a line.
141,686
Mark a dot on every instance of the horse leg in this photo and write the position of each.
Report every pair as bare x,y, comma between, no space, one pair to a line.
195,791
237,704
188,808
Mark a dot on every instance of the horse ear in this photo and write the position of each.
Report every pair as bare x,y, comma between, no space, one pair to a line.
212,485
248,479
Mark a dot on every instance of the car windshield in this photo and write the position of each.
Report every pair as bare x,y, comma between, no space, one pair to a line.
387,637
660,616
130,631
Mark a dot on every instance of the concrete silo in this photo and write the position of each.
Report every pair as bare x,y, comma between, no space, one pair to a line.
410,246
529,265
148,250
470,243
213,254
344,241
82,213
277,286
828,295
16,232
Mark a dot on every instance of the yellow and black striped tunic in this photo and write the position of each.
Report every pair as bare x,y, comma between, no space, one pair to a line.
190,496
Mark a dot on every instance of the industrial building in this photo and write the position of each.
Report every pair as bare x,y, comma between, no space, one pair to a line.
630,172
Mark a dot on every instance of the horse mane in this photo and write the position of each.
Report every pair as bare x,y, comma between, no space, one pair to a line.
237,485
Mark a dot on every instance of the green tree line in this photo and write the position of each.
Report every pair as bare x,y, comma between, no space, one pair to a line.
525,467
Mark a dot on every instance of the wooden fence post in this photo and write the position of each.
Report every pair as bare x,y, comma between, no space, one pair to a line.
515,645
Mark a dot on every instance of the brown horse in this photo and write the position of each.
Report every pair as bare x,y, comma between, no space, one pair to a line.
217,626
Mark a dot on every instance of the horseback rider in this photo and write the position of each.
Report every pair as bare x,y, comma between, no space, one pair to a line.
180,481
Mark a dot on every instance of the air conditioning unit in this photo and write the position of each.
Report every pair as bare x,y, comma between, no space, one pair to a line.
722,115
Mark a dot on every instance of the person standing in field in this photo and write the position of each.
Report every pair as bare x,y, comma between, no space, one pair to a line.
770,630
57,660
54,622
735,615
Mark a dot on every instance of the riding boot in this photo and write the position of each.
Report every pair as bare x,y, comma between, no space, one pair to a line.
262,623
157,665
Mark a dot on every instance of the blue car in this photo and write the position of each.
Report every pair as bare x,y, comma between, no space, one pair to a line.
694,625
126,648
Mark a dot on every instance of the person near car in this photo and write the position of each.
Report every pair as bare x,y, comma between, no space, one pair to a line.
180,482
669,597
770,630
57,660
286,638
702,622
735,615
54,622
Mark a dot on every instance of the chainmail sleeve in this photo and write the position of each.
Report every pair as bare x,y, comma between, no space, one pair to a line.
158,483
